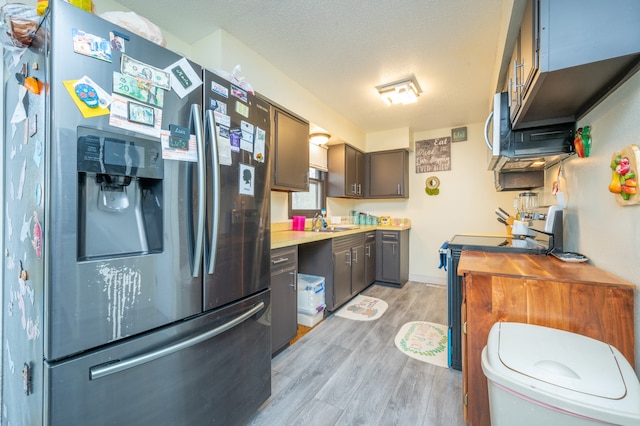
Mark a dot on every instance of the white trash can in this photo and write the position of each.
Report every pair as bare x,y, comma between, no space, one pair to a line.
544,376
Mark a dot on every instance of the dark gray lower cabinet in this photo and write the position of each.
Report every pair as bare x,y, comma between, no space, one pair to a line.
348,269
369,260
341,261
284,297
392,257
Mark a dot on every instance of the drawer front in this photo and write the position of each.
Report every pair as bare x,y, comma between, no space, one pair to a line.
283,258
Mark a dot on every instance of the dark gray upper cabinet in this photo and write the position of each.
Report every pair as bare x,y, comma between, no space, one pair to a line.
346,172
569,56
290,138
387,174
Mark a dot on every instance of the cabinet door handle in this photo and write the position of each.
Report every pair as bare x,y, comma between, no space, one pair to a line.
280,260
359,189
355,255
513,93
368,251
348,258
399,190
355,188
294,282
516,65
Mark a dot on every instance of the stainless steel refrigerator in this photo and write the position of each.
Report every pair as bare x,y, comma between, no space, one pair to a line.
136,234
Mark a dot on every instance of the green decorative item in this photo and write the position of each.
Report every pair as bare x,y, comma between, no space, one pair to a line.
582,142
432,186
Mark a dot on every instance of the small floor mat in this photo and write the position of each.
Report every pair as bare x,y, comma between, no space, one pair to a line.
363,308
424,341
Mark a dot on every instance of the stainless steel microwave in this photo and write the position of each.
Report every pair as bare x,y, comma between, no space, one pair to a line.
526,149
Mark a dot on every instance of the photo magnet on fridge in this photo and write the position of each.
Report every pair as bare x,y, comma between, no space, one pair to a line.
246,182
91,45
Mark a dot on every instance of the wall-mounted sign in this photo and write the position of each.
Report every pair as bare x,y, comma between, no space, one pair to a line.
459,134
433,155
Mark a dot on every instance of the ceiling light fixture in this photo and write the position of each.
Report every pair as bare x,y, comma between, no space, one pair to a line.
404,91
319,138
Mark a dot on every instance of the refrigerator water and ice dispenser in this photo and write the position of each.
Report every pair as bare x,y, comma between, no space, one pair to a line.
119,195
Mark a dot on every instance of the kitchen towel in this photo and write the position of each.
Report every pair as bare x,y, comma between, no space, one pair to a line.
444,248
363,308
424,341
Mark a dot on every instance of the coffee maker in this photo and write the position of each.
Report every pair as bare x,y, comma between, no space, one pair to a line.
531,217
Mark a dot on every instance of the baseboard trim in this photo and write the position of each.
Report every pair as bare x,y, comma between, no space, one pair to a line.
427,279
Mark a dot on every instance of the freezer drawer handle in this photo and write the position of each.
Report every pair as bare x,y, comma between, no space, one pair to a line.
102,370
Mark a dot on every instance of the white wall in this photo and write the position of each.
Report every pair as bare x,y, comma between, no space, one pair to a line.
172,42
466,203
595,224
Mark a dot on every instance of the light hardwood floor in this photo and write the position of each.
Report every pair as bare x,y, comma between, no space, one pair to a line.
346,372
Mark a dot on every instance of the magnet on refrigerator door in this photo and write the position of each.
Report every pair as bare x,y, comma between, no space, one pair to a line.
247,184
258,149
145,73
246,143
219,89
242,109
128,86
234,138
173,147
186,79
224,144
85,110
239,93
91,45
117,41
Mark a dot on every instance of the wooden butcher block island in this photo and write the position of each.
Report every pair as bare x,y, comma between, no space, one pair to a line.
541,290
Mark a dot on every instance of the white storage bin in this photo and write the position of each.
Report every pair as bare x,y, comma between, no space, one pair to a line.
310,320
544,376
310,294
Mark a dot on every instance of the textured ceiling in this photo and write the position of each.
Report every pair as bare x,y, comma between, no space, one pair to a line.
339,50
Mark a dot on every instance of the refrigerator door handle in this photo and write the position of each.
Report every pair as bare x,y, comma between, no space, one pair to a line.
103,370
195,123
210,131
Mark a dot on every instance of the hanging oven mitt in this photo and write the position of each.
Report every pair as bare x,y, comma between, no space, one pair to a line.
443,255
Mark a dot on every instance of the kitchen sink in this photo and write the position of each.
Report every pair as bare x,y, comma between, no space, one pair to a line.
336,229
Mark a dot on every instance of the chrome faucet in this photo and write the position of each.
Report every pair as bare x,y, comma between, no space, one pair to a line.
316,222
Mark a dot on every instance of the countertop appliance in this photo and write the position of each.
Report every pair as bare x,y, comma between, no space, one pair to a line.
136,234
527,150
